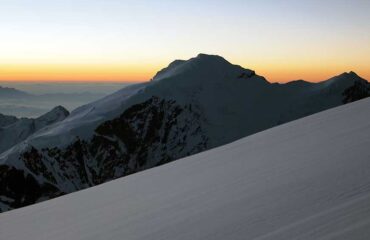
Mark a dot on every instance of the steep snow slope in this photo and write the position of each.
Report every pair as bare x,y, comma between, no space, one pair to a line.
308,179
188,107
19,129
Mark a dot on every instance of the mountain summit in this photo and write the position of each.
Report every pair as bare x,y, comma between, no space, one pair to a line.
189,106
211,67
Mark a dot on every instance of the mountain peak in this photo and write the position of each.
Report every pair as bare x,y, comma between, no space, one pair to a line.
204,56
343,81
299,82
211,66
209,59
348,74
60,108
58,113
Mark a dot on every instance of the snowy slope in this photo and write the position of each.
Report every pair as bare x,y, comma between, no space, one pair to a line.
7,120
19,129
188,107
308,179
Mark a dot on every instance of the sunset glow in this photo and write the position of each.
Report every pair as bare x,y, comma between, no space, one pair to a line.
132,40
76,72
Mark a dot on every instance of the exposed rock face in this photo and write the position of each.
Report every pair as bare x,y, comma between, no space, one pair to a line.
145,135
19,188
148,134
360,90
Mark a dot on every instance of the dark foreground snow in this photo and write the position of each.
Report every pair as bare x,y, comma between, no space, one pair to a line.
308,179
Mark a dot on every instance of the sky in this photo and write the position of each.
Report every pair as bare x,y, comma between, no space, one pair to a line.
127,40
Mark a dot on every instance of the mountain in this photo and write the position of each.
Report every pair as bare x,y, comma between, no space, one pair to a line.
14,130
7,120
308,179
188,107
13,93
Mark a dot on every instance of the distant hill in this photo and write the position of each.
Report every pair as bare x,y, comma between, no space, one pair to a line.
6,92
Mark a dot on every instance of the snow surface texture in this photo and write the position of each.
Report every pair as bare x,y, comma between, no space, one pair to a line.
188,107
308,179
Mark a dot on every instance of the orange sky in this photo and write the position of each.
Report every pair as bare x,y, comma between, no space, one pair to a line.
144,72
131,40
76,72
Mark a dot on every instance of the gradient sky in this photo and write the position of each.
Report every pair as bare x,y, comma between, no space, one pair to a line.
124,40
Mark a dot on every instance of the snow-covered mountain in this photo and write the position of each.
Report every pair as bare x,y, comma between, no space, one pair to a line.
188,107
7,120
308,179
14,130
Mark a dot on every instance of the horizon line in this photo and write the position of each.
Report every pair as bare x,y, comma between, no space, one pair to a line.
102,81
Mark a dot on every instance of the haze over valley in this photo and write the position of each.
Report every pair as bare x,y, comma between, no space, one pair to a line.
32,99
